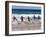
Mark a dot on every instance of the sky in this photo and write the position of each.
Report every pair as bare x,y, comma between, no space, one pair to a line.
25,7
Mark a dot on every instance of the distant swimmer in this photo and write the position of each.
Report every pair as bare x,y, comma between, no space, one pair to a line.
21,18
28,18
14,18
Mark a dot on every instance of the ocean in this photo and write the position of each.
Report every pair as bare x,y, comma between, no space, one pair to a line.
26,11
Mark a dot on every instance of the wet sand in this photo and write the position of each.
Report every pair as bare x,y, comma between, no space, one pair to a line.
22,26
